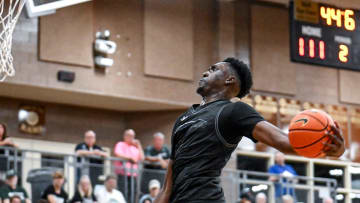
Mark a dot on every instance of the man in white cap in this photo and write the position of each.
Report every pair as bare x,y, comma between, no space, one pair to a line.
154,189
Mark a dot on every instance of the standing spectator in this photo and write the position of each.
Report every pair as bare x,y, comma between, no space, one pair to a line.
84,192
5,141
288,173
157,155
109,194
157,158
260,198
55,193
131,151
11,189
154,189
89,149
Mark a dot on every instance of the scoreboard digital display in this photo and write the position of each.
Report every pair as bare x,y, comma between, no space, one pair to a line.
324,35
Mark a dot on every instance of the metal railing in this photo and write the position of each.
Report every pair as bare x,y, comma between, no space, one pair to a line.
134,182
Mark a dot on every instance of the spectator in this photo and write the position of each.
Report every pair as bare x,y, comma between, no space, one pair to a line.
287,199
84,192
5,141
89,149
246,195
328,200
154,189
288,172
157,155
55,193
131,151
12,189
109,194
260,198
245,198
15,199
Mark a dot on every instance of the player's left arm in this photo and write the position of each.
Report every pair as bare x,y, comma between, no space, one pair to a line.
271,135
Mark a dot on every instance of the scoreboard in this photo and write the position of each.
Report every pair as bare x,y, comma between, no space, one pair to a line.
324,35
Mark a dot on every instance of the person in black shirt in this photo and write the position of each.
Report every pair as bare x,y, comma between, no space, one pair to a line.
204,137
12,189
157,155
89,149
84,192
55,193
5,141
157,158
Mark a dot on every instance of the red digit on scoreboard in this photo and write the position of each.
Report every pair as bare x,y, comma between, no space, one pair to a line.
322,50
312,48
301,46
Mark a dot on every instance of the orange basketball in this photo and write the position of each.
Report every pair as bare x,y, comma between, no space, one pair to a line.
307,132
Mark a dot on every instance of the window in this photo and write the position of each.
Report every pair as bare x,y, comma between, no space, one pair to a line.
328,171
52,161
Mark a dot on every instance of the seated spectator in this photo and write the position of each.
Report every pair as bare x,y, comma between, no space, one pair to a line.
260,198
157,155
15,199
84,192
246,195
328,200
154,189
88,148
130,150
12,189
109,194
55,193
287,199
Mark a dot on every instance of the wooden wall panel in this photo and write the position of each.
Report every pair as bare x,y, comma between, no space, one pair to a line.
349,86
67,35
226,29
169,38
270,56
242,31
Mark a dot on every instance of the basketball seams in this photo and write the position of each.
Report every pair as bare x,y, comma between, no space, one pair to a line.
311,130
325,126
312,146
327,120
308,145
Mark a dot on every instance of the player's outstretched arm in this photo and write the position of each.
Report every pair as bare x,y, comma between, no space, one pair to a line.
164,195
271,135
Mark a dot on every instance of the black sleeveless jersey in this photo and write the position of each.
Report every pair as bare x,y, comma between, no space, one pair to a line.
200,152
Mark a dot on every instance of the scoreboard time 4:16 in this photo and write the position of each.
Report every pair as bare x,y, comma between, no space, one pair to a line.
325,35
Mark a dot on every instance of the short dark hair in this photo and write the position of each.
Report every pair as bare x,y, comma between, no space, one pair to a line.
111,176
14,197
244,75
5,131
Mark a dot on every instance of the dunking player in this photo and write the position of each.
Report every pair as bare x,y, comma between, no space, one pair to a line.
204,137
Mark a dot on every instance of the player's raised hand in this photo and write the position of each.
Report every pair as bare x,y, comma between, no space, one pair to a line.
336,146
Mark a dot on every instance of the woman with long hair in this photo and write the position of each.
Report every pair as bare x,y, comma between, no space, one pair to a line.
84,192
4,138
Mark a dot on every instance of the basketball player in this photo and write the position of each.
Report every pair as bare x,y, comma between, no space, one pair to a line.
204,137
